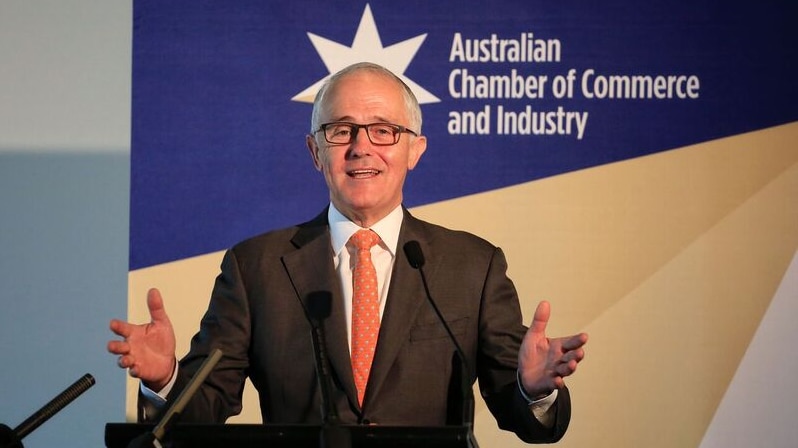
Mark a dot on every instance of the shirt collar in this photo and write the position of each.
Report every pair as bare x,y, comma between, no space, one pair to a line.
341,229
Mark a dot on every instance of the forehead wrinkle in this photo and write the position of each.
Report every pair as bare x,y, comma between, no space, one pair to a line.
351,119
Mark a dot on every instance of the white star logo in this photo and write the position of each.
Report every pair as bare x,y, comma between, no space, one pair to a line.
367,46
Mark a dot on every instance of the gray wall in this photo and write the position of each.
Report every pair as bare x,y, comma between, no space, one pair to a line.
64,198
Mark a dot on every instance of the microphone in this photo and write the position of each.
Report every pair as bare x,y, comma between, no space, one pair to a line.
318,307
154,438
13,438
415,257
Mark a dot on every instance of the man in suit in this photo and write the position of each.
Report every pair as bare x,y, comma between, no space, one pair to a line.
365,137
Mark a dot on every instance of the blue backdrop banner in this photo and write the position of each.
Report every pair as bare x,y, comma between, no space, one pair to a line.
511,90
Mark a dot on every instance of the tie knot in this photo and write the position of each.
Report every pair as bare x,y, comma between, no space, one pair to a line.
364,239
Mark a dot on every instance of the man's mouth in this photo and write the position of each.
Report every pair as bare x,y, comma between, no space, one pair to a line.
363,173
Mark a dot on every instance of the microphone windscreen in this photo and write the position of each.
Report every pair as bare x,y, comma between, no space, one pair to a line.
54,406
319,305
414,254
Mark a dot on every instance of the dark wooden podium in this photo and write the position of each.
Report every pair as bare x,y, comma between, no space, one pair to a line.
119,435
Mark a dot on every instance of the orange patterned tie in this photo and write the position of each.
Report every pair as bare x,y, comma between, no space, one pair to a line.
365,310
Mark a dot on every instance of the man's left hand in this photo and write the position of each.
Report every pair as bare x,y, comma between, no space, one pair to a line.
544,362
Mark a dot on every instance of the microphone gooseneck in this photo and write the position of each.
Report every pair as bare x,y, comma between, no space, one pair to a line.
187,394
415,256
318,306
416,259
156,436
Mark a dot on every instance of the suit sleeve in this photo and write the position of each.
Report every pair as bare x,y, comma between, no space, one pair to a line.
501,332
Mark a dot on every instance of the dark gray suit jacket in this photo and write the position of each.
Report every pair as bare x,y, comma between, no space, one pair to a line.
256,317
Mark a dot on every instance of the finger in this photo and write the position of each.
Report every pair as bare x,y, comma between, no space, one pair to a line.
572,356
121,328
118,347
566,369
125,361
155,306
575,341
541,318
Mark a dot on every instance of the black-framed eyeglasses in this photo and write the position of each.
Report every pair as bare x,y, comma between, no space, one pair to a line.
380,134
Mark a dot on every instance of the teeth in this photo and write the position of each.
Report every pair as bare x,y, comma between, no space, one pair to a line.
362,172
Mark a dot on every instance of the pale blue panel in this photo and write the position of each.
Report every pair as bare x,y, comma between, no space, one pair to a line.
63,271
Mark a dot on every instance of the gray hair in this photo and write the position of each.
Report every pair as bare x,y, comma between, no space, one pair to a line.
411,103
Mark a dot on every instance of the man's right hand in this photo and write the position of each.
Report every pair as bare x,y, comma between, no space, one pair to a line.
148,350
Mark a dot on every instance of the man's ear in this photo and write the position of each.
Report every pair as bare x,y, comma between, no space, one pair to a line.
310,142
417,148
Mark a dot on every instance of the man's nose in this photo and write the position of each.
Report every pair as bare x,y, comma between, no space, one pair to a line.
361,144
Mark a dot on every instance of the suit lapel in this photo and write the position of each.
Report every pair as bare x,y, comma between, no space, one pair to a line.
311,269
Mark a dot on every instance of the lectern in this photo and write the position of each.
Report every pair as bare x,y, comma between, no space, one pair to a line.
119,435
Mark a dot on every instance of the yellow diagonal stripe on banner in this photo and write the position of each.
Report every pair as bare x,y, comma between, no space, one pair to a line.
680,336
